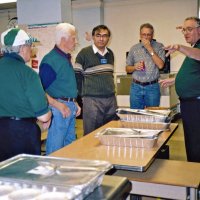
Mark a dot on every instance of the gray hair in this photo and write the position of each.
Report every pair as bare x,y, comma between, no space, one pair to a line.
196,19
10,49
63,30
147,25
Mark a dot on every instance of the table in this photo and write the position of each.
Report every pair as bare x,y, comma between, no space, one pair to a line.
136,159
169,179
112,188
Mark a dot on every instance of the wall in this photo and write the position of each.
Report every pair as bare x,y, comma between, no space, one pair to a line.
86,14
43,12
164,15
124,17
5,16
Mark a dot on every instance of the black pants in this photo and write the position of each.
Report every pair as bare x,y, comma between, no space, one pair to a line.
190,112
18,136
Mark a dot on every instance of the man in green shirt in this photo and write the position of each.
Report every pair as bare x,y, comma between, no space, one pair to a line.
23,99
187,84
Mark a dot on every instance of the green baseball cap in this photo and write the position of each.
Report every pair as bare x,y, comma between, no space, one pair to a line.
16,37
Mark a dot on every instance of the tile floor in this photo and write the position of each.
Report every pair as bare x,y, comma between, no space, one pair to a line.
176,143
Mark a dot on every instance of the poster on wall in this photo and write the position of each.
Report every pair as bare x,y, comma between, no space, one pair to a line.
46,35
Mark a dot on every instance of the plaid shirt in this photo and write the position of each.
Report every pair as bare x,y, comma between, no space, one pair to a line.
138,53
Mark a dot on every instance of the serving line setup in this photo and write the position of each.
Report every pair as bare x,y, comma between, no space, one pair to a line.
149,176
128,158
113,162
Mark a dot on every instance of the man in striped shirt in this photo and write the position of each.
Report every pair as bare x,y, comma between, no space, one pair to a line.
94,67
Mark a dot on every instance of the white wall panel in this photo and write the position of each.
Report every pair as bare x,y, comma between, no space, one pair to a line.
124,18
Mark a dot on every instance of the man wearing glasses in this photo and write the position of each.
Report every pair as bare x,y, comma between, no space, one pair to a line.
94,67
187,85
23,99
144,61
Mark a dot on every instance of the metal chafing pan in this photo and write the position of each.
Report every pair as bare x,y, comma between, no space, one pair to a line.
146,125
69,177
128,137
139,115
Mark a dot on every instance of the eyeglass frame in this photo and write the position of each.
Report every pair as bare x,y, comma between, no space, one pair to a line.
188,29
104,36
146,34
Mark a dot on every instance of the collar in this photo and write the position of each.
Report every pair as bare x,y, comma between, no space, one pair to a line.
62,53
96,50
14,56
197,43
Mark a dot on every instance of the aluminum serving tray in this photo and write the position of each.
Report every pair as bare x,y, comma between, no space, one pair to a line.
39,177
147,116
128,137
146,125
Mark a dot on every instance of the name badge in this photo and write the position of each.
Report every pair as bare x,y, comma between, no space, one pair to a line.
103,61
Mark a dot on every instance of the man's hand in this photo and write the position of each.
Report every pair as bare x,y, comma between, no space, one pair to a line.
63,109
45,125
171,49
147,45
139,66
59,105
167,82
78,110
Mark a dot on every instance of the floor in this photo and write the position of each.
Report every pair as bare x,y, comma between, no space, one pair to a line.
176,142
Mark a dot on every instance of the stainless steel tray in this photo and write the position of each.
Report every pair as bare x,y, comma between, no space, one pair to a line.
137,115
129,132
159,113
69,177
145,125
128,137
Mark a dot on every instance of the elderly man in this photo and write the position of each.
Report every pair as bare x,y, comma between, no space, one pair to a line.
94,69
58,79
23,99
144,61
187,85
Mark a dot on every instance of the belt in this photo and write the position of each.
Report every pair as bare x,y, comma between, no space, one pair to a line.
68,99
145,83
30,119
190,99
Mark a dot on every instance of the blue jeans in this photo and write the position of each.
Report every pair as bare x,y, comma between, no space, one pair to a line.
62,130
144,96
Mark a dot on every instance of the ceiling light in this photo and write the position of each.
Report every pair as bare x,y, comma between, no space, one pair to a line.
7,1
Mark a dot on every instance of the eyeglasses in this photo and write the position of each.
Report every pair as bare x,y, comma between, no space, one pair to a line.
105,36
188,29
146,34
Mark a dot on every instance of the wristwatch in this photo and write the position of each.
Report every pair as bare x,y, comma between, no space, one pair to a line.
152,53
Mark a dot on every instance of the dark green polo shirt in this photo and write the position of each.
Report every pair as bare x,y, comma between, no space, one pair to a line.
188,78
21,92
57,74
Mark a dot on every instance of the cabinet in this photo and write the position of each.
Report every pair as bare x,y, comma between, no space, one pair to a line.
168,99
